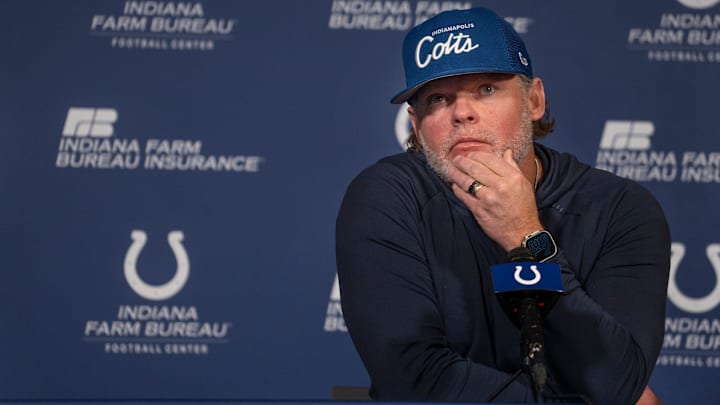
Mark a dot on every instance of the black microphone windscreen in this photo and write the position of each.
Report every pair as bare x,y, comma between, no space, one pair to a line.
520,254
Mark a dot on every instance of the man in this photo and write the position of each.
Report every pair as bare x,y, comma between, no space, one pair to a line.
418,232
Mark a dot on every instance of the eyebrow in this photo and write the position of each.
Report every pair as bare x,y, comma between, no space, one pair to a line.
494,77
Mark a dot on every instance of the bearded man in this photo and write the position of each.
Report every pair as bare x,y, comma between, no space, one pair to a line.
418,232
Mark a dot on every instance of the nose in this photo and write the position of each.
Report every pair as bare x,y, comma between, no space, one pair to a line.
465,111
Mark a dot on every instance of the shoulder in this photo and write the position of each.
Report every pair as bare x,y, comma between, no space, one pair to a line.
576,186
581,191
404,177
406,166
622,192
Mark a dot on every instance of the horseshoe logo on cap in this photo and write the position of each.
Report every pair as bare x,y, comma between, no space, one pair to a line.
523,59
163,291
533,281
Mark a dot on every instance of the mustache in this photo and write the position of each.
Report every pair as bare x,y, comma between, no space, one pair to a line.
473,133
470,134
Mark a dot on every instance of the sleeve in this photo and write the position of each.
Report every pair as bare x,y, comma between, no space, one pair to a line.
389,301
605,333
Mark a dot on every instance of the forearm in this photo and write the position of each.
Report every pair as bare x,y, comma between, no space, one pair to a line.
399,335
603,337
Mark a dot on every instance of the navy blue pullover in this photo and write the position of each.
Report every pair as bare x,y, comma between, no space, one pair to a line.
417,295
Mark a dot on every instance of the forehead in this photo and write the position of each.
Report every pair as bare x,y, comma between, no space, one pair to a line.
471,79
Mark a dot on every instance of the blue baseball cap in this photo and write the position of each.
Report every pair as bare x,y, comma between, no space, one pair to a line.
457,42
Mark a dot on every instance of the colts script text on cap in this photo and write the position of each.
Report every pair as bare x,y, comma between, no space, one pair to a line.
456,43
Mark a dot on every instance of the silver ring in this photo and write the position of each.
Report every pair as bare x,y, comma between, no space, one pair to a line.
474,187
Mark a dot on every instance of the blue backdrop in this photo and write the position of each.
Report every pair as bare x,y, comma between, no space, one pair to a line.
171,173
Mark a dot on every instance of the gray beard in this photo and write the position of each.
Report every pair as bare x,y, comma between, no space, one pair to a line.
520,145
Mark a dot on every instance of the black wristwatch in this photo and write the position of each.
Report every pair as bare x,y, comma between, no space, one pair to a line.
542,244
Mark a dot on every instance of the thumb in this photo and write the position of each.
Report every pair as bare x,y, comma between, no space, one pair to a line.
508,157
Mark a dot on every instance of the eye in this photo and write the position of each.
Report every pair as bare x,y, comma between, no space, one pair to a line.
486,89
436,99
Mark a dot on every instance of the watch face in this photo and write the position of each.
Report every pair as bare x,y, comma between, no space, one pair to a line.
542,245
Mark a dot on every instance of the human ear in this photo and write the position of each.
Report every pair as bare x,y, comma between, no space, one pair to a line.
536,99
415,124
413,118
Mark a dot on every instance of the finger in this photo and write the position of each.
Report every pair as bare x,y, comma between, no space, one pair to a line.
472,185
464,170
502,166
466,198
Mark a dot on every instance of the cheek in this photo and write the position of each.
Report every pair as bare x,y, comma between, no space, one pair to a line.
509,122
433,134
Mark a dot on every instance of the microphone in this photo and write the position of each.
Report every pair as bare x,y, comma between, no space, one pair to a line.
527,290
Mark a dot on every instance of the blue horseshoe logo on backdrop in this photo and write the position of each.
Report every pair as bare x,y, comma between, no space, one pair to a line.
156,292
533,281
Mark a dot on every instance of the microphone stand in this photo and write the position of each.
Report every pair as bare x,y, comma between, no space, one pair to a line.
532,349
532,346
